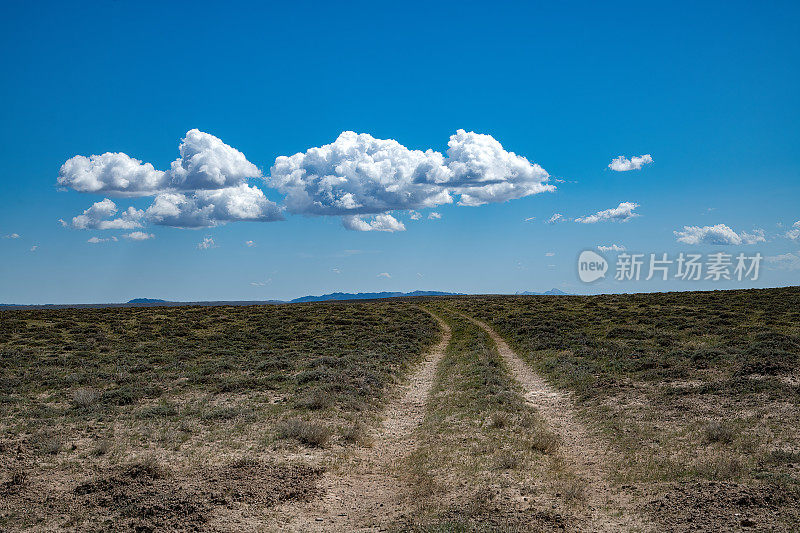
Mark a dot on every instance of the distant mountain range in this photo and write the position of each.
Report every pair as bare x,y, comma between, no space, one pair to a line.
551,292
334,296
370,296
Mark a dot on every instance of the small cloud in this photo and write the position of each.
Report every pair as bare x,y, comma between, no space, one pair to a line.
12,236
794,233
623,164
530,219
100,216
434,216
249,244
549,254
97,240
414,215
753,238
622,213
336,270
139,236
611,248
383,222
555,218
385,275
261,283
419,275
207,243
719,234
34,247
788,261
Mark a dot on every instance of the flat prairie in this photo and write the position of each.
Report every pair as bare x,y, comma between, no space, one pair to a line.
645,412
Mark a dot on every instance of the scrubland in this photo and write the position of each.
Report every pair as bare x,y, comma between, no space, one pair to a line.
238,418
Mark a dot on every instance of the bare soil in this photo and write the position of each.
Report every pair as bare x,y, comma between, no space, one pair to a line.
608,508
148,496
367,491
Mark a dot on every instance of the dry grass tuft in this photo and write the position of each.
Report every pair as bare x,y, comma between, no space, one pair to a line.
572,489
307,432
720,432
356,433
85,398
499,420
508,460
544,441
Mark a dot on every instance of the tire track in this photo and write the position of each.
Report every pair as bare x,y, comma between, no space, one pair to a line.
367,492
608,508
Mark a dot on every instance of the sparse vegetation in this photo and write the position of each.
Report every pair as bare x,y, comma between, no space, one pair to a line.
691,388
84,391
305,431
481,441
177,418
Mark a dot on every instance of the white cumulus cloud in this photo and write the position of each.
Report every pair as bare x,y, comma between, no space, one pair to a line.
358,174
355,177
382,222
99,216
719,234
483,172
623,164
139,236
555,218
793,234
622,213
209,208
208,163
112,173
205,162
434,216
385,275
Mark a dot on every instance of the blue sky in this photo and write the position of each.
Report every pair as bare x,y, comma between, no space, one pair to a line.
710,90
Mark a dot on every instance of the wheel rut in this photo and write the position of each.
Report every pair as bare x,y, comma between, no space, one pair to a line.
367,492
608,509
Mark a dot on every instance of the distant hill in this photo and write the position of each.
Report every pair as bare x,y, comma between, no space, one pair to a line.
369,296
551,292
155,302
146,301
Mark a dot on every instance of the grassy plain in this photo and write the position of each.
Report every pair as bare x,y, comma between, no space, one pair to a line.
698,391
485,455
162,417
210,418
